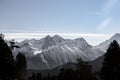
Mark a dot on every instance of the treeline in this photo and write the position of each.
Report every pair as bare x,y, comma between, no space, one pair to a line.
10,68
83,71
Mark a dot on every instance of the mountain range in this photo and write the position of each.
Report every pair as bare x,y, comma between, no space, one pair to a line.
50,52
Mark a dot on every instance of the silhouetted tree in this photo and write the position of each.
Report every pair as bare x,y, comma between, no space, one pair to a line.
21,65
84,71
111,64
54,77
33,77
66,74
39,77
7,63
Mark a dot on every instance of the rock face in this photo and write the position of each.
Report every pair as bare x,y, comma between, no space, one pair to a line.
103,46
50,52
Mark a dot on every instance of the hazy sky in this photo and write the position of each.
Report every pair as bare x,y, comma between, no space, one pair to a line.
60,16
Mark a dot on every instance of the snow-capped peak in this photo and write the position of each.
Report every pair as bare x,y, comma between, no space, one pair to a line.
50,52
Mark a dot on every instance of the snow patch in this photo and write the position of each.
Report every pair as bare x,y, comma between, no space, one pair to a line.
37,52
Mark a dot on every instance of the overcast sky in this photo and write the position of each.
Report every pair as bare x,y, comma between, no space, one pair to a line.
61,16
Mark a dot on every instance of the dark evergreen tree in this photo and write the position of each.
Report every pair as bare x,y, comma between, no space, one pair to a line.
21,66
39,76
7,63
33,77
84,71
61,74
54,78
44,78
111,64
66,74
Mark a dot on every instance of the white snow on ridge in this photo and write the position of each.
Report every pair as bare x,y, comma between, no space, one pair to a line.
37,52
50,52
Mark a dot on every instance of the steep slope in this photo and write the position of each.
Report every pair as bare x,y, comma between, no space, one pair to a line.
97,63
27,49
64,52
50,52
103,46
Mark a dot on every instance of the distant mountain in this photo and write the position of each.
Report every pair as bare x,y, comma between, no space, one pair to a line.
50,52
97,63
44,43
103,46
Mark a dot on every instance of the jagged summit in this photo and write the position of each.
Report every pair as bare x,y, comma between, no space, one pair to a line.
58,39
58,36
48,37
81,39
50,52
48,41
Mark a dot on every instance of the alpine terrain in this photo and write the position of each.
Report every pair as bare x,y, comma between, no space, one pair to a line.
50,52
